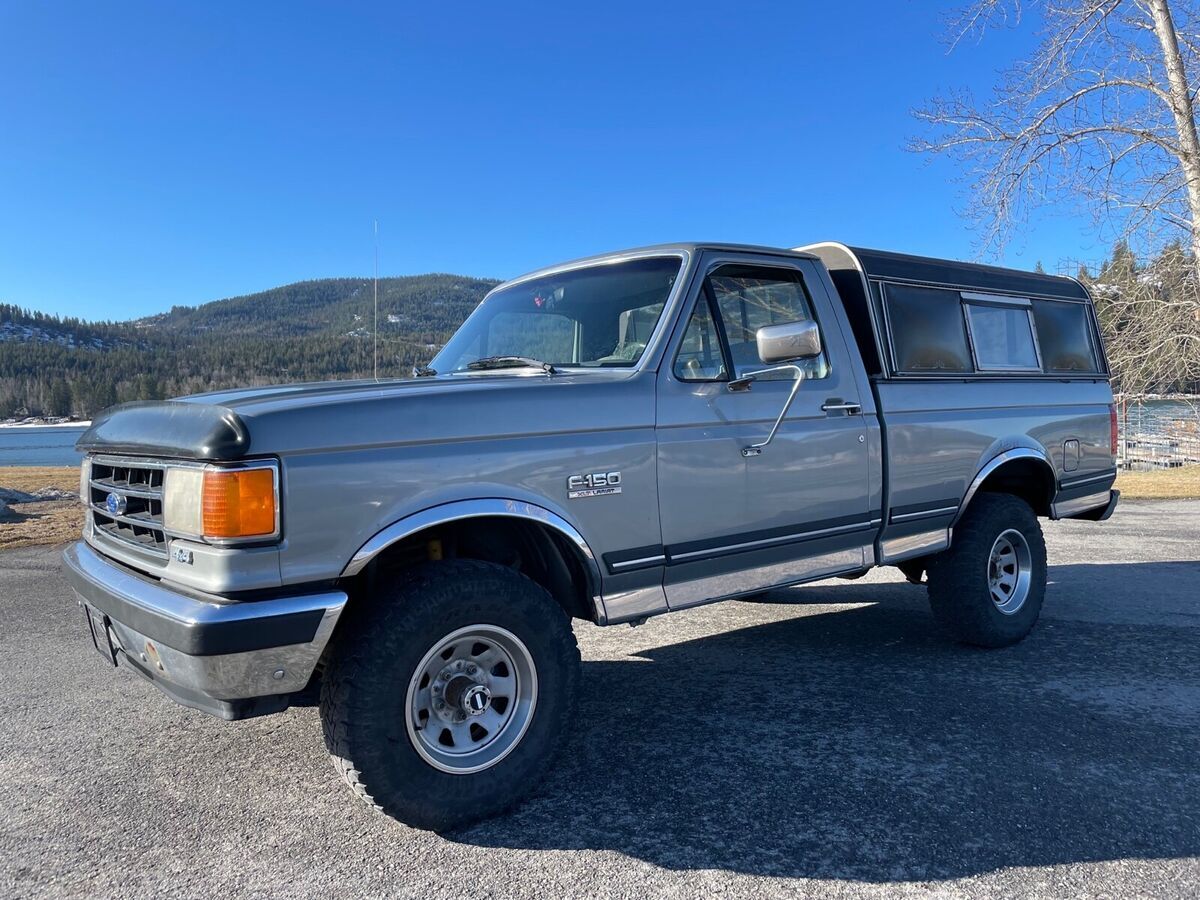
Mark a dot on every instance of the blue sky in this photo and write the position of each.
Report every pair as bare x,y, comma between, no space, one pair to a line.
166,153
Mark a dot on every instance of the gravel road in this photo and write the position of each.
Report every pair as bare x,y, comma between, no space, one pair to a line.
829,744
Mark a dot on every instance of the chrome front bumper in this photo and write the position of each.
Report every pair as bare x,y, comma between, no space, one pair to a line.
232,659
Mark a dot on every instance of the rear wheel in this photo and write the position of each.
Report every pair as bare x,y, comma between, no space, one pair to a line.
987,589
448,695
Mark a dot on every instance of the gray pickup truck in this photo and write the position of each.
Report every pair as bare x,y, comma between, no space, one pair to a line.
607,440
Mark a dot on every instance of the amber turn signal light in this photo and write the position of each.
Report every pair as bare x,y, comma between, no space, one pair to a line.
239,503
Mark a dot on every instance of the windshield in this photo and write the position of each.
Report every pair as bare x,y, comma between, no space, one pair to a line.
600,315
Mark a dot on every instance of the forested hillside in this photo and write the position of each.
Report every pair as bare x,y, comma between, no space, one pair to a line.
305,331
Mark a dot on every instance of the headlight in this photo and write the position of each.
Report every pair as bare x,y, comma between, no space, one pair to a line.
222,504
182,499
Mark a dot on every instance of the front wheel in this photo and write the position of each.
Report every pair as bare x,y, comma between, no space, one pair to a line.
987,589
447,695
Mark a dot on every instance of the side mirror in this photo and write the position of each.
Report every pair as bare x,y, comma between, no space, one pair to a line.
790,340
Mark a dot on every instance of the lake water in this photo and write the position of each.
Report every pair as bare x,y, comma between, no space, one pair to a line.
52,446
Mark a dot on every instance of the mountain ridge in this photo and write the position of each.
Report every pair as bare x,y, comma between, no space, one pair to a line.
307,330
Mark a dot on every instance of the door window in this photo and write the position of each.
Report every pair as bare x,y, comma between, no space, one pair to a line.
750,297
700,357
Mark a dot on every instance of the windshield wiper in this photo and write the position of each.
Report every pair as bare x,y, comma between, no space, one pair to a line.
512,362
423,372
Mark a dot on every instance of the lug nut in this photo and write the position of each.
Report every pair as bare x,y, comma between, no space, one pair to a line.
472,669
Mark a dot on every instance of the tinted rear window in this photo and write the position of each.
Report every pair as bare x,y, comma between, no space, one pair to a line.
928,335
1065,336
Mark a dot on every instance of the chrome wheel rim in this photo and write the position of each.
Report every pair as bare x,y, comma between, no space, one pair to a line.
1010,571
471,698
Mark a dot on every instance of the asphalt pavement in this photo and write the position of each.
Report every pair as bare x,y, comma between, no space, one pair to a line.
830,743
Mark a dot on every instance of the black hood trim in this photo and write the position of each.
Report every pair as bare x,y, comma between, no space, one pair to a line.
168,428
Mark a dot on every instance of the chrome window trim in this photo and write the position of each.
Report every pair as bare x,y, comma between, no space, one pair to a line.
996,299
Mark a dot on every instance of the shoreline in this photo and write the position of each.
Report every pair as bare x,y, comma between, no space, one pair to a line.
17,425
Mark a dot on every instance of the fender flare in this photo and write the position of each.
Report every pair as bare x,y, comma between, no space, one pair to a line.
995,463
458,510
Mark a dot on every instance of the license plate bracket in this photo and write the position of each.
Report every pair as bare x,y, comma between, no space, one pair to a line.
98,626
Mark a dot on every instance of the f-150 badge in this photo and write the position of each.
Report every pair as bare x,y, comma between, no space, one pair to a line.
594,484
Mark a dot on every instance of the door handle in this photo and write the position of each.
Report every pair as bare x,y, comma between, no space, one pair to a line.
834,404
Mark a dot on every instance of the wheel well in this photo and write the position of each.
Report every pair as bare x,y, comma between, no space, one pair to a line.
531,548
1026,478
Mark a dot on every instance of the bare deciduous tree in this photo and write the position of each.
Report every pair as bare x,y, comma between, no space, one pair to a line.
1102,114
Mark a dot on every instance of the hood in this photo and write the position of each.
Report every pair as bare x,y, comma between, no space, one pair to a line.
231,425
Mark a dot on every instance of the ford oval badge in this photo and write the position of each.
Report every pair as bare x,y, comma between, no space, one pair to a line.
116,504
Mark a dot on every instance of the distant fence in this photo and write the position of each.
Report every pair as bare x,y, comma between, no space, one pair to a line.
1157,434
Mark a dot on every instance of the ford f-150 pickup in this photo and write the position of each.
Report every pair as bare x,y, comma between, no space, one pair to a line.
606,440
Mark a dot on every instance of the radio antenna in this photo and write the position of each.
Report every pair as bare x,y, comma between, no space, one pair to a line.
375,327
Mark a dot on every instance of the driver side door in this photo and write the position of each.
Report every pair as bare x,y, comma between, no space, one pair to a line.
734,524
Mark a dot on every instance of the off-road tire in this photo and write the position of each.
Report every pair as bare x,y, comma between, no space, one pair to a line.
379,644
959,592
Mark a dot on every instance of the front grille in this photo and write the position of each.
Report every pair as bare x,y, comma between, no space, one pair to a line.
139,484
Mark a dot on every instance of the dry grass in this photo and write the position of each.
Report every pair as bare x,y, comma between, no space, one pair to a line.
31,478
49,522
1162,484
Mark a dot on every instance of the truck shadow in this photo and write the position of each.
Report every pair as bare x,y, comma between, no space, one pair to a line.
860,744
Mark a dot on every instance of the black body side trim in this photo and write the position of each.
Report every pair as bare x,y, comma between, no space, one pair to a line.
720,564
1089,477
923,510
635,558
787,534
1076,489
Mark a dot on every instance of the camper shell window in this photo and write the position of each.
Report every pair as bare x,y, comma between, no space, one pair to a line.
1001,330
940,331
1065,333
928,334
